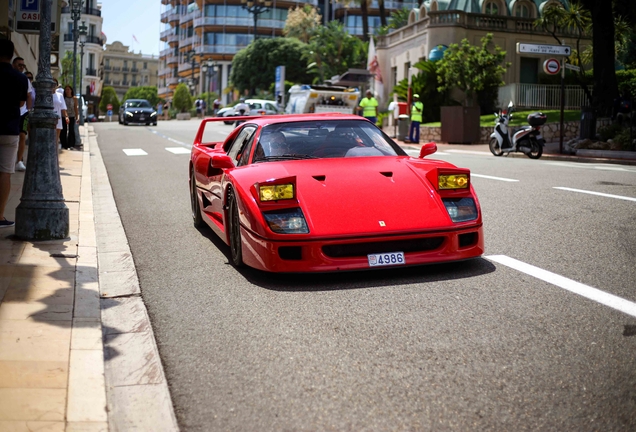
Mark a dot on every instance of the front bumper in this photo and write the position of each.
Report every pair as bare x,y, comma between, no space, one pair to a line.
346,254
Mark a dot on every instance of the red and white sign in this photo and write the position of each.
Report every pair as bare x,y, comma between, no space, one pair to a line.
109,106
92,88
552,66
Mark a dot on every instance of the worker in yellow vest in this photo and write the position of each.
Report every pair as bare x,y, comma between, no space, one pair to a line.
416,119
370,107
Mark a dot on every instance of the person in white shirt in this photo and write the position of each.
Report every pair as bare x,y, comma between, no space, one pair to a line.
18,64
60,108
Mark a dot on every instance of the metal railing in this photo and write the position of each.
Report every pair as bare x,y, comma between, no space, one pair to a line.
85,11
91,72
542,96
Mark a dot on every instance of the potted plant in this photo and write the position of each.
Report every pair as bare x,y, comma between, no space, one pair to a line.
470,72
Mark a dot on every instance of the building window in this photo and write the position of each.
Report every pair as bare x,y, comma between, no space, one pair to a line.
407,66
107,62
492,8
145,65
91,61
522,11
125,77
92,30
394,80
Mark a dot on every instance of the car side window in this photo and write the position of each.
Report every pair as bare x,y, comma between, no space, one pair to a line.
244,154
270,107
236,149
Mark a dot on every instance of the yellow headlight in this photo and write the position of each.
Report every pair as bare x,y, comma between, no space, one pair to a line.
276,192
455,181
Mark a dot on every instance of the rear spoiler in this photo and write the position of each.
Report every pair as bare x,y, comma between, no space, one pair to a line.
199,136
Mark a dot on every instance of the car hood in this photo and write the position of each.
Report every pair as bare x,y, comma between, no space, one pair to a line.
362,196
140,110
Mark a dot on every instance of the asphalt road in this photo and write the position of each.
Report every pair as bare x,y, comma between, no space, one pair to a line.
476,345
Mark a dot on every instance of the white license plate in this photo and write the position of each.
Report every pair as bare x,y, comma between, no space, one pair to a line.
386,259
142,118
539,136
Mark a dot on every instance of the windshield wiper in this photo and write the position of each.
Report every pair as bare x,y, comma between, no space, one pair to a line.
285,157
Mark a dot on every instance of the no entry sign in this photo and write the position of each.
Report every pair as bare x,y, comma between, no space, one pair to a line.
551,66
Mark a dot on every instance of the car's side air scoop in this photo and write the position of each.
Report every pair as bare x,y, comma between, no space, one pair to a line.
320,178
387,173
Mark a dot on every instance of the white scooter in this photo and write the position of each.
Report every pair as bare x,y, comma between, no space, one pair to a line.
527,140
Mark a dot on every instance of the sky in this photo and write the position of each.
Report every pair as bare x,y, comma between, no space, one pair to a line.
125,18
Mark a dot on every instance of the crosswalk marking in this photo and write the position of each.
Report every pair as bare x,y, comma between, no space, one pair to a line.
178,150
135,152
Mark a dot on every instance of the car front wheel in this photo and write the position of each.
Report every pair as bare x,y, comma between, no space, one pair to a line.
236,251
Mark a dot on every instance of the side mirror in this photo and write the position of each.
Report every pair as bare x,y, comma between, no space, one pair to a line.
427,149
221,162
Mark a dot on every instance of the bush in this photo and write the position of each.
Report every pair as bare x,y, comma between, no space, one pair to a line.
182,100
609,131
627,81
622,140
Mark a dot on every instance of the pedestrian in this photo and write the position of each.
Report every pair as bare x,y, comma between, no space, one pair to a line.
20,165
18,65
204,107
15,89
416,119
59,106
160,110
197,105
216,105
369,106
241,108
68,128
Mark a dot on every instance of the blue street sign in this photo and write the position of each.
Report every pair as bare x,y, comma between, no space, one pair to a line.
109,113
30,5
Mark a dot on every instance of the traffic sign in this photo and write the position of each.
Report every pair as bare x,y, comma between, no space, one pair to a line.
27,16
563,50
572,67
551,66
109,107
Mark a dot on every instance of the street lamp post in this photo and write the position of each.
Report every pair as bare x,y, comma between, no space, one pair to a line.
76,12
82,36
210,67
256,7
42,213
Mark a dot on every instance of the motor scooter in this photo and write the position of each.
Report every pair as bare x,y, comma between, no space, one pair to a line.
527,140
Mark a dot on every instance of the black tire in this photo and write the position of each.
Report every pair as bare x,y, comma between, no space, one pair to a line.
536,150
119,119
227,122
236,251
495,148
147,124
154,124
197,219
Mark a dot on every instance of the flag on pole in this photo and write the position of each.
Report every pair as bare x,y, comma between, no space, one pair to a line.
135,39
374,68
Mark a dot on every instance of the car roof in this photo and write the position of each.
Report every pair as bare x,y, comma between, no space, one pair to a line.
260,100
136,100
286,118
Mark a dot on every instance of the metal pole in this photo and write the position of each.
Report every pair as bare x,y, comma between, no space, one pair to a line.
42,213
75,35
255,13
82,100
562,105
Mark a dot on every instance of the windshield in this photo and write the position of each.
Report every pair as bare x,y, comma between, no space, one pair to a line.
138,104
323,139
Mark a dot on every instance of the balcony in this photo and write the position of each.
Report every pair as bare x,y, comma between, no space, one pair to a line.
107,67
163,91
187,67
192,40
172,81
115,68
125,83
134,70
134,84
219,49
163,36
68,37
164,71
189,17
85,11
165,52
125,69
172,60
173,39
91,72
238,22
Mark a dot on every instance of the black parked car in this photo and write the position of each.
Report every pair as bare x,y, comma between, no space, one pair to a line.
137,111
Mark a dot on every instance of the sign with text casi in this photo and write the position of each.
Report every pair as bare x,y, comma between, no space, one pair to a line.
526,48
27,16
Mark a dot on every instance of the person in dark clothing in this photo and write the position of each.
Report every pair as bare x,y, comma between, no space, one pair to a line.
15,86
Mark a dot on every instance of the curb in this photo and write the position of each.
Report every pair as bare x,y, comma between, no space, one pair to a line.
137,394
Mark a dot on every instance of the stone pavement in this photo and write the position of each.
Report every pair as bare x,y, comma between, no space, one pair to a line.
77,352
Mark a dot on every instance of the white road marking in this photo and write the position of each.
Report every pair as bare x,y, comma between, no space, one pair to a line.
596,193
135,152
178,150
493,178
592,166
475,152
416,153
586,291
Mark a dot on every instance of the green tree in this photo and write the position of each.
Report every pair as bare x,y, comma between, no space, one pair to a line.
182,100
254,67
66,77
424,83
331,51
301,22
109,97
149,93
472,69
399,18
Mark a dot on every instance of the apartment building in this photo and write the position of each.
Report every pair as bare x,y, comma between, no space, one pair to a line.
124,69
202,30
91,80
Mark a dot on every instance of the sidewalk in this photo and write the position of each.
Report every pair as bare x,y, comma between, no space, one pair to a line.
550,152
77,352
